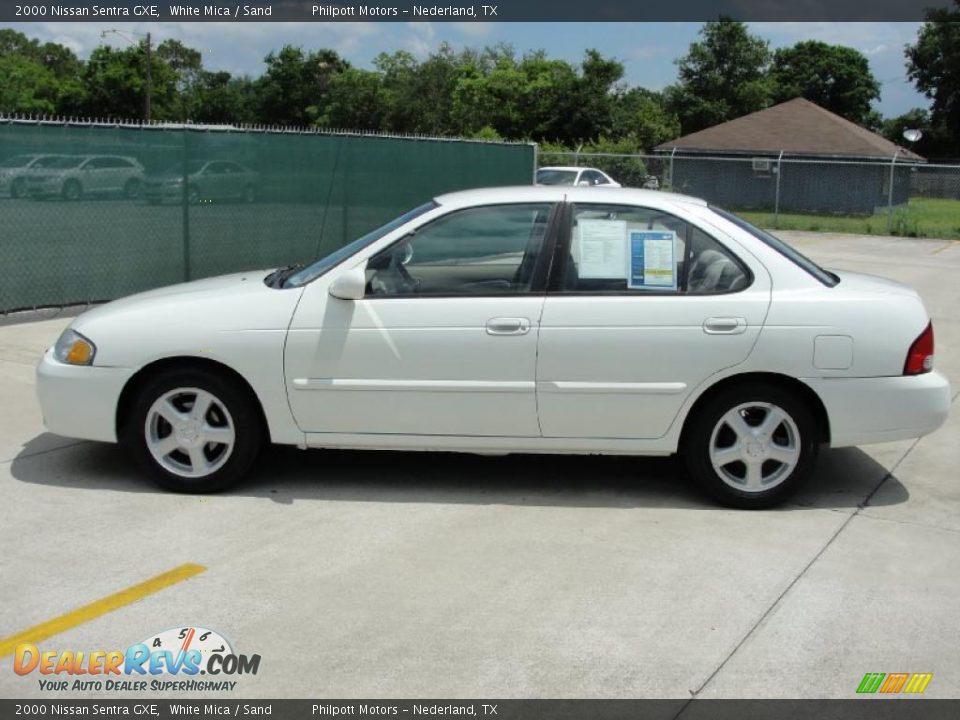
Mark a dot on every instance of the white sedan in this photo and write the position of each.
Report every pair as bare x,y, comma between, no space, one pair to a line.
513,320
577,176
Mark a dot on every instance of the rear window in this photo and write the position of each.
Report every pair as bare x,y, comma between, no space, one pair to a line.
788,251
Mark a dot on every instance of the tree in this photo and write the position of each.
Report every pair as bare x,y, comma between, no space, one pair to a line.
935,141
835,77
723,76
293,90
115,82
38,78
933,63
356,100
641,116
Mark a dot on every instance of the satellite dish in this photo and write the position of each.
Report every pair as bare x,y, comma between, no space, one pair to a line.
911,135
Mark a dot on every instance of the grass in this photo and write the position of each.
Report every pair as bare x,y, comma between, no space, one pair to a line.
922,217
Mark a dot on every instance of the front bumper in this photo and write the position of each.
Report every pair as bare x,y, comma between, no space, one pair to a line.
872,410
80,401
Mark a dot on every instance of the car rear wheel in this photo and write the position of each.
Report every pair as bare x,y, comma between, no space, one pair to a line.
751,446
18,188
132,189
194,431
72,190
249,194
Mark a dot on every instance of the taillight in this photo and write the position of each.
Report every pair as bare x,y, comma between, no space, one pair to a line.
920,355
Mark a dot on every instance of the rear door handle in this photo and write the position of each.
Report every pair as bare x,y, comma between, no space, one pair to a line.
508,326
724,325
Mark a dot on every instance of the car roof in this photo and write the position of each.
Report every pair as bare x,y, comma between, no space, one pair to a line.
558,193
572,168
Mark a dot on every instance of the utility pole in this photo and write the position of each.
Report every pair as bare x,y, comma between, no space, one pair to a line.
146,103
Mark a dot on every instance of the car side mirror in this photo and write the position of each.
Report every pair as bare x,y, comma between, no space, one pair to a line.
351,284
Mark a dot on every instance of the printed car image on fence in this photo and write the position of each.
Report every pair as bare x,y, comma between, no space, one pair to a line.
92,212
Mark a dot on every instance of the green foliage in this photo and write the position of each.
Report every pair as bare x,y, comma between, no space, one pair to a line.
933,63
835,77
294,89
723,76
491,92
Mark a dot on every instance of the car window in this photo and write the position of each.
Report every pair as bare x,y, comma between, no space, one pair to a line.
600,179
618,248
556,177
478,251
824,276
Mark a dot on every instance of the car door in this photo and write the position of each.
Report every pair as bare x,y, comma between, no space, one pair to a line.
643,307
444,341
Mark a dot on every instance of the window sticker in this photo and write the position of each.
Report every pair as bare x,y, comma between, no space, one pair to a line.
602,251
652,260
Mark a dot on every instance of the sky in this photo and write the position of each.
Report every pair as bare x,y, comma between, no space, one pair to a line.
647,50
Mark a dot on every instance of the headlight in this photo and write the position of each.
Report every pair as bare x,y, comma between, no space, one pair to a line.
74,349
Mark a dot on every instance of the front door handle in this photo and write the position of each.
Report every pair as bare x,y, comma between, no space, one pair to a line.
508,326
725,325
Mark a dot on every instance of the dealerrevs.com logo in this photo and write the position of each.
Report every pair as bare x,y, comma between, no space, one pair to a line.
172,660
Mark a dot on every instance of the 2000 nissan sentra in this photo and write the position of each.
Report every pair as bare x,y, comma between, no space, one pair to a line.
534,320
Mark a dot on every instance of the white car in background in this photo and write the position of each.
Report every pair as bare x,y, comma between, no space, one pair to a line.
576,176
76,176
513,320
14,171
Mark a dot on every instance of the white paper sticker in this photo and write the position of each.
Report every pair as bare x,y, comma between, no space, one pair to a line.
603,249
652,260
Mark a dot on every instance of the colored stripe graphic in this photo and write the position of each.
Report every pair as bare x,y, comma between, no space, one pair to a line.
894,682
918,682
870,682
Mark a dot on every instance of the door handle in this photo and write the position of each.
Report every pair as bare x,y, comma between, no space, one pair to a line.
508,326
724,325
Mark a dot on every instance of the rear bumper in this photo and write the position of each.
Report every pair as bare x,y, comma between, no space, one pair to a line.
871,410
80,402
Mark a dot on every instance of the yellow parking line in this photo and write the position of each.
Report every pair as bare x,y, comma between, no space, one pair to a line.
949,244
99,607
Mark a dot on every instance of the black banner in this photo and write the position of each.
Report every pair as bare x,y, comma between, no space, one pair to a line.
874,708
490,11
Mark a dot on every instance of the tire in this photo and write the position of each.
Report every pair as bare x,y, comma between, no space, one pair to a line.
131,190
751,467
193,196
249,194
18,188
198,455
72,190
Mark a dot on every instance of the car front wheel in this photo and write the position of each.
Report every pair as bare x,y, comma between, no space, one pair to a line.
194,431
751,446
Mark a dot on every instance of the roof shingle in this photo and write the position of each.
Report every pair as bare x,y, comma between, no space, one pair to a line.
795,127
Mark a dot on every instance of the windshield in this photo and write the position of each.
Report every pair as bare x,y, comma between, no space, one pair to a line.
64,161
314,270
789,252
17,161
556,177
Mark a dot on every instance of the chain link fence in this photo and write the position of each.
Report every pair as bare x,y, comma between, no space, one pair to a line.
92,212
871,197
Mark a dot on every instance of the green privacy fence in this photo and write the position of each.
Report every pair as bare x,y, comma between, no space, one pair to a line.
92,212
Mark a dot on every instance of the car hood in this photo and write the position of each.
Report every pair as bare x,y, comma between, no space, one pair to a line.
185,313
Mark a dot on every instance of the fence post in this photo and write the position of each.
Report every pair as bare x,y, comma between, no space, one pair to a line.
185,200
776,200
893,165
672,153
536,161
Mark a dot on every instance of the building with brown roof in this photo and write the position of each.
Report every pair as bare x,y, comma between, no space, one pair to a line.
825,163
